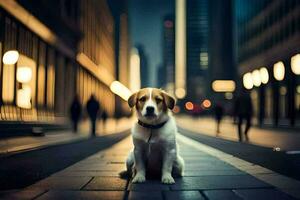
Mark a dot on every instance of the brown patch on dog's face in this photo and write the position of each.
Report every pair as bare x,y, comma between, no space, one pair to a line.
142,97
139,98
158,98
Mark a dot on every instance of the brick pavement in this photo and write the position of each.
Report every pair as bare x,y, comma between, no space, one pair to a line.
208,175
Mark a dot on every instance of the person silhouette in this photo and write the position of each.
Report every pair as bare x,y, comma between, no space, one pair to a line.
93,108
219,111
104,118
75,112
243,110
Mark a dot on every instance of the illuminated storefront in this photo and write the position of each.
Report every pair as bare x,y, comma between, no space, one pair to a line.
268,59
41,70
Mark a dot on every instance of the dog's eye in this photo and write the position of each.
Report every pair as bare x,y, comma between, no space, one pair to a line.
142,99
158,100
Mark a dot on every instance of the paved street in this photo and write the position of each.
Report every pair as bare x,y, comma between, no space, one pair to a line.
13,145
283,161
209,174
286,139
22,169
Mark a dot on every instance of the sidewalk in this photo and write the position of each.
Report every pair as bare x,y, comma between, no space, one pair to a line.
26,143
208,175
285,140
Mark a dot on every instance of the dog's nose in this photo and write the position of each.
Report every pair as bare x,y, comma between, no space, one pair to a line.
150,109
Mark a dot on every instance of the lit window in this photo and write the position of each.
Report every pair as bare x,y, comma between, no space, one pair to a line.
204,60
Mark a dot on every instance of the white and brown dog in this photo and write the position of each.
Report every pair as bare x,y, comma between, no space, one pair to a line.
154,137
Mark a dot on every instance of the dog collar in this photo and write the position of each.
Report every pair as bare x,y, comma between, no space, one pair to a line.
157,126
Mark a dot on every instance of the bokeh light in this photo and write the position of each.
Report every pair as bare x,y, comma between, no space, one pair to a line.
189,105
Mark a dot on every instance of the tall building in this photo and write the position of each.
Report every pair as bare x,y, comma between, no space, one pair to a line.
144,66
120,13
221,46
268,58
65,48
197,27
168,67
161,74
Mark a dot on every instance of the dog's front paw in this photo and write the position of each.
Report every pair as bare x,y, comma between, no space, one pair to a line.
139,178
167,179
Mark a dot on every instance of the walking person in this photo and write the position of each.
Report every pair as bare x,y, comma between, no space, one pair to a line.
219,111
93,108
75,112
104,118
243,110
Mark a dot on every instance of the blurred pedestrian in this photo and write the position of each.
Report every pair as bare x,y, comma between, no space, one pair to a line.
219,111
243,110
75,112
93,108
104,118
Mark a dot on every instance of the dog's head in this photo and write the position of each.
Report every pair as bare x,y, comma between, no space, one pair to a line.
151,104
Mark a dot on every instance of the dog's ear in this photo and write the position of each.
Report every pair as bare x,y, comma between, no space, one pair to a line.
169,100
132,100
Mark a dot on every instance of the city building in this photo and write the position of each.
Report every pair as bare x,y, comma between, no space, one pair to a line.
204,53
167,70
52,50
144,66
197,57
122,49
268,58
222,68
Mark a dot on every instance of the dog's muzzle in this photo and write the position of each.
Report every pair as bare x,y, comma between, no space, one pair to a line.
150,111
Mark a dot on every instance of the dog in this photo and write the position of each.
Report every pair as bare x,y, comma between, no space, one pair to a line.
154,137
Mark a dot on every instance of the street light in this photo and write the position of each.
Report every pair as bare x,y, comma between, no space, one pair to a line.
295,64
256,78
223,85
134,70
264,75
247,81
10,57
120,90
189,105
24,74
180,93
24,97
206,103
279,71
180,49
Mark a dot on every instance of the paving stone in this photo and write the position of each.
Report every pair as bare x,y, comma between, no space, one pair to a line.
20,194
209,167
134,195
203,160
80,195
183,195
217,182
221,195
212,172
60,183
192,153
105,167
106,183
87,173
280,181
149,185
262,194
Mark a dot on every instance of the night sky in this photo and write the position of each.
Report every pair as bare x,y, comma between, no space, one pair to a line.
146,23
